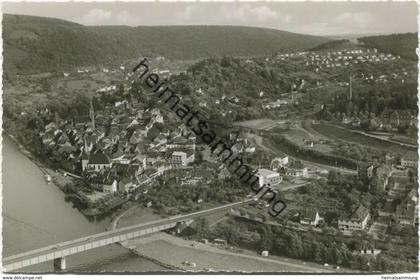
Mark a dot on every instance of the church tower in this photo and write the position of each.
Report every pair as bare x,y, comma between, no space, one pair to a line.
92,115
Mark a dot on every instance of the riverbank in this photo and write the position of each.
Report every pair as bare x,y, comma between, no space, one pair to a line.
62,180
184,255
173,252
35,214
58,179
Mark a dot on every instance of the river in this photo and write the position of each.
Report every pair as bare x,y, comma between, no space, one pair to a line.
35,214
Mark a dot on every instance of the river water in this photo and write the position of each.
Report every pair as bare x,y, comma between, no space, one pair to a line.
35,214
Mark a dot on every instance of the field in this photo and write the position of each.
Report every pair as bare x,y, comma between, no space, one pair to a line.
138,215
346,135
299,135
260,124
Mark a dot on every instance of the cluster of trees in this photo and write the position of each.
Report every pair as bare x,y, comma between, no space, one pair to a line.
170,197
309,246
359,152
336,44
369,102
397,44
340,196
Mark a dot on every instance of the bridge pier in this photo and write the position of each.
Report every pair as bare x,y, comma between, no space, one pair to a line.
59,264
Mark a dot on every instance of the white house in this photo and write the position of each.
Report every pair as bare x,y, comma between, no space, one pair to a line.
297,172
98,161
268,177
310,218
110,186
356,222
370,252
410,159
182,158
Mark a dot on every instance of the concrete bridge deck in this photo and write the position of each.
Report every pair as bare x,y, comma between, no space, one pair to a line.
59,251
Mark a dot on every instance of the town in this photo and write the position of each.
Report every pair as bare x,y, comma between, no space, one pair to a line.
331,130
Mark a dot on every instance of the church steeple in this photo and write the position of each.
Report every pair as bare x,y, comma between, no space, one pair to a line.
92,115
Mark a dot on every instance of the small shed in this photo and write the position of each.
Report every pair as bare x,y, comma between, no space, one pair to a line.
264,253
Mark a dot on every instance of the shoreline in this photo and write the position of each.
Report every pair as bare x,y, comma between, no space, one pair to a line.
28,154
58,179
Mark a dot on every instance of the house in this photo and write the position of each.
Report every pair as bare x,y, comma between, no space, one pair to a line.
66,148
370,252
220,241
125,185
250,149
98,161
365,171
182,158
383,172
397,118
110,185
318,107
224,174
297,172
356,122
308,142
139,159
310,218
268,177
357,221
264,253
409,160
407,210
179,158
346,120
208,154
275,105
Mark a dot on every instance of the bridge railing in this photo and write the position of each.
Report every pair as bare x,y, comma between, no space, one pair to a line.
118,232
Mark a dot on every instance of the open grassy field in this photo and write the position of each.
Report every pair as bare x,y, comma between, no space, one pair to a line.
260,124
299,135
335,132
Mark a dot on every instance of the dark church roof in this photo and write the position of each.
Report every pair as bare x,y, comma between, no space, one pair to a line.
98,158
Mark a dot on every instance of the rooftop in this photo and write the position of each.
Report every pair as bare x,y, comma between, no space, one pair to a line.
266,172
413,156
98,158
360,213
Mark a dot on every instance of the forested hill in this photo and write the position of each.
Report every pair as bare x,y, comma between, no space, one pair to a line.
333,45
398,44
37,44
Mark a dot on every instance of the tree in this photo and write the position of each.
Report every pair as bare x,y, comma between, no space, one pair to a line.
266,242
373,125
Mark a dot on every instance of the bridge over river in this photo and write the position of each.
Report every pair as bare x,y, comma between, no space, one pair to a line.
58,252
